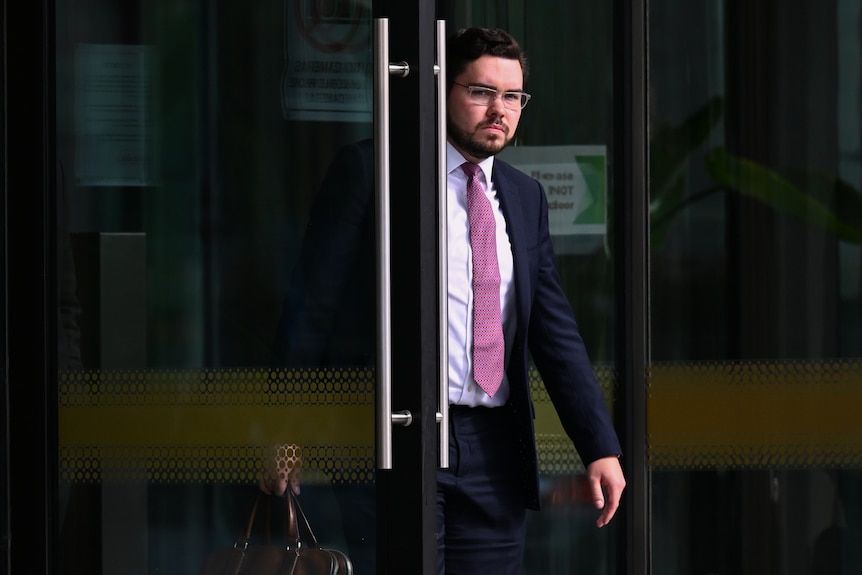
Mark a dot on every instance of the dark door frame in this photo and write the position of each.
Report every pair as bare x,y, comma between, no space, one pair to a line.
631,270
29,356
415,348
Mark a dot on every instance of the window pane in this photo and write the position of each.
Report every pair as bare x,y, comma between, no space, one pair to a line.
192,145
756,302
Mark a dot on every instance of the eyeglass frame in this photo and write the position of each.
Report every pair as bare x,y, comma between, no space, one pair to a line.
473,88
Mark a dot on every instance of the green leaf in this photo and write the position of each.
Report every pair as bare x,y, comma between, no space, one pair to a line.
671,146
769,188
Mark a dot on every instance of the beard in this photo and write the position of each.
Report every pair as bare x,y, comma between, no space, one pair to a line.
472,144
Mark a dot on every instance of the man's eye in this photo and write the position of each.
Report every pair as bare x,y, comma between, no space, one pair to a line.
512,96
483,92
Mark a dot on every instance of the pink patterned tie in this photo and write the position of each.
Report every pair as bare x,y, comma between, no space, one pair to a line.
488,343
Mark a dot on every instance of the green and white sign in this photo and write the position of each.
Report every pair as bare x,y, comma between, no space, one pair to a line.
575,182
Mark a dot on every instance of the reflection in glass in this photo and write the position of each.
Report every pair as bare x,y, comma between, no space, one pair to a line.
190,161
756,243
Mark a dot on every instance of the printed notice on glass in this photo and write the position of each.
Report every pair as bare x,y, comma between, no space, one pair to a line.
575,182
112,117
327,74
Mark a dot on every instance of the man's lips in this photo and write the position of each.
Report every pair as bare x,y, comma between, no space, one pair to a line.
495,128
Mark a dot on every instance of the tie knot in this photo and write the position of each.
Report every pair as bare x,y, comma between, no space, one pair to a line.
472,170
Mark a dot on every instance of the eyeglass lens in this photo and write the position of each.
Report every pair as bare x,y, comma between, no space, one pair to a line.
485,96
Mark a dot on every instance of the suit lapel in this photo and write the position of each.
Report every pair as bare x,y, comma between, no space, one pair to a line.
511,207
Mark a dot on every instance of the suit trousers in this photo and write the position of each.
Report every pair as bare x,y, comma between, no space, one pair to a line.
481,511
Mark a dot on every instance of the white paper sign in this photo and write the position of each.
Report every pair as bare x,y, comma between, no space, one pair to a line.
114,138
327,72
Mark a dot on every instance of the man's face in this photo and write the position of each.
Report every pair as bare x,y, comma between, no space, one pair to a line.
479,131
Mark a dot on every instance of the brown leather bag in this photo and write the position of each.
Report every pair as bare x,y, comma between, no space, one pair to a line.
301,555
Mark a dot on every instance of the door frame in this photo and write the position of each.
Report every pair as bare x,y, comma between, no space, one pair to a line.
29,357
405,544
631,273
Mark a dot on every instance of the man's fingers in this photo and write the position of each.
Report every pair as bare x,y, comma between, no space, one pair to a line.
606,484
609,511
281,469
598,496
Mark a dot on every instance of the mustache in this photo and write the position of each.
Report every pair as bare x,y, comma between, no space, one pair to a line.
495,122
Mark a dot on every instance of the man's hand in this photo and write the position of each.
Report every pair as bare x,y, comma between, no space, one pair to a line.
281,467
606,476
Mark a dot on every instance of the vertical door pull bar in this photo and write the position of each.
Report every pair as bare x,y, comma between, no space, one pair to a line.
382,70
442,248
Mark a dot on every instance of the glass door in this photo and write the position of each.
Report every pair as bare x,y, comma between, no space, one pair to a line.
228,266
569,139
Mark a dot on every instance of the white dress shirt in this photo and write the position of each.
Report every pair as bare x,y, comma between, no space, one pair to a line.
463,389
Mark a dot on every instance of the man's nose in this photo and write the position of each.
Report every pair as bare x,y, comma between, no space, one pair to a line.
496,106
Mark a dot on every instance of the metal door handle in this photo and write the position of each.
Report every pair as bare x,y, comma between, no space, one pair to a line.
442,250
382,70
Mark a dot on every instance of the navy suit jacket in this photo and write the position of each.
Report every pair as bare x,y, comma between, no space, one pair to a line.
546,330
327,319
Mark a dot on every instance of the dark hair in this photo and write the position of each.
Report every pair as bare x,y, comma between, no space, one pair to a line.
470,44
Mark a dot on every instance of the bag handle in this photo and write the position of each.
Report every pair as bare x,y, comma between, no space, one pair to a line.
245,537
297,522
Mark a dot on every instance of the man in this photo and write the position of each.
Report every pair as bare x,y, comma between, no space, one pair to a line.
492,479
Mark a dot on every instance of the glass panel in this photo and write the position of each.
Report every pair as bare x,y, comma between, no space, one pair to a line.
565,139
194,138
756,247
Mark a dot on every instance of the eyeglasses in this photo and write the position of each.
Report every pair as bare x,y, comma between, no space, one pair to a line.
483,96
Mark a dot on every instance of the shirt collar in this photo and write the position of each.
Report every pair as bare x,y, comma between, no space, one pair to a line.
454,159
